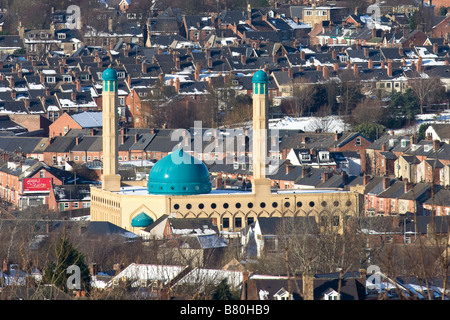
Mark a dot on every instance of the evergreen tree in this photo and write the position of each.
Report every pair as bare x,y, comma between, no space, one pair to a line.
223,291
57,272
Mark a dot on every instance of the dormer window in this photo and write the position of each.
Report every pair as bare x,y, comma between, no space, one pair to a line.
404,143
305,156
331,294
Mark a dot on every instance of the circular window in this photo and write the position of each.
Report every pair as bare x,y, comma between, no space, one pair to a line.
287,204
201,206
225,205
160,188
238,205
263,205
188,206
172,188
299,204
274,204
213,205
324,203
185,188
250,205
176,206
312,204
197,188
336,203
348,203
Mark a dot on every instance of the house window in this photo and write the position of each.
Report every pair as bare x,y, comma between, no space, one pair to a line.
86,204
42,174
75,205
226,223
238,222
358,141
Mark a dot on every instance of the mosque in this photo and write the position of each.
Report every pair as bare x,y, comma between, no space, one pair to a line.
180,186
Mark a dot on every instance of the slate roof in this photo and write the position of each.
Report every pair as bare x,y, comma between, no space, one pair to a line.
61,144
89,143
105,228
21,144
290,225
441,198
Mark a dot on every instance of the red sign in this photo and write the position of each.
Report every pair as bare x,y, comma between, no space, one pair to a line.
37,184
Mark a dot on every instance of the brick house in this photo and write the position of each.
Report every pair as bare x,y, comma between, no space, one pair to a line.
69,197
62,125
439,204
67,122
28,183
442,29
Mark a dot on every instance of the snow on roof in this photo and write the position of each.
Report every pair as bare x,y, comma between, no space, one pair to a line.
89,119
213,276
138,272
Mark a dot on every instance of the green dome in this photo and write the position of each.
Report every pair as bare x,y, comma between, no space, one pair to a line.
260,77
179,174
141,221
109,74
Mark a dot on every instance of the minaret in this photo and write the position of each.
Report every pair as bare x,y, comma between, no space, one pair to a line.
260,82
110,178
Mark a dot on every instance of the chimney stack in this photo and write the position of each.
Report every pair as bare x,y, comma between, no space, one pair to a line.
177,84
436,145
366,179
336,66
355,70
370,64
408,186
325,72
334,54
435,48
419,65
386,182
389,69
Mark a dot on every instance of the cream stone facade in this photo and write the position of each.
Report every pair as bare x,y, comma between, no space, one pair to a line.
231,210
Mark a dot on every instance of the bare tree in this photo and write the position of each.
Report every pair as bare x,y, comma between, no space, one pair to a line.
425,89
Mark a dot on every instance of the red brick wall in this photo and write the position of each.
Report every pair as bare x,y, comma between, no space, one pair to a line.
65,121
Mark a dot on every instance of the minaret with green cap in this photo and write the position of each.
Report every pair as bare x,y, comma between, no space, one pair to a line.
110,178
260,83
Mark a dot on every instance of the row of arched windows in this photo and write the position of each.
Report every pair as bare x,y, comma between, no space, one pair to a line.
262,205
